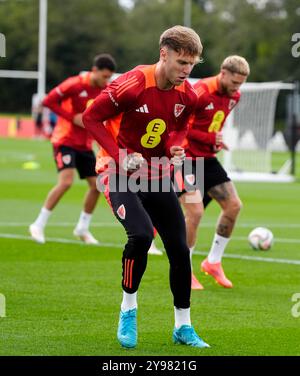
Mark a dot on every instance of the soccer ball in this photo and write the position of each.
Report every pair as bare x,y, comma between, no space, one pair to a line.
261,238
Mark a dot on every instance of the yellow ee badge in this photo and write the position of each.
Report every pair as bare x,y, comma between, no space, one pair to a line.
216,123
155,129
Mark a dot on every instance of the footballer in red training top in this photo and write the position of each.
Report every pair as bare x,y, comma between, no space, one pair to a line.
149,107
69,98
73,145
205,124
205,139
141,117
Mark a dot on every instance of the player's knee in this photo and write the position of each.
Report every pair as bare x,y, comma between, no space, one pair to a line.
141,240
92,183
66,184
94,190
194,213
235,206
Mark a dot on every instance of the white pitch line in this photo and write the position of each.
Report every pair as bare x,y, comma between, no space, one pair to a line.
58,224
255,258
262,224
115,224
116,245
57,240
277,240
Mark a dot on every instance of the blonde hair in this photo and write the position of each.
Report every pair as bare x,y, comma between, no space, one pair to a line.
236,64
182,39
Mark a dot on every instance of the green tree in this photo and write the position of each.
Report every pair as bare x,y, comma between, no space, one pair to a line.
260,31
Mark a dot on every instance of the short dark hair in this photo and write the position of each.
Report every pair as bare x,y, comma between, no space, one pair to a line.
105,61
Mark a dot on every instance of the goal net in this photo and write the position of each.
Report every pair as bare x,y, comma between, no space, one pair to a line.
248,132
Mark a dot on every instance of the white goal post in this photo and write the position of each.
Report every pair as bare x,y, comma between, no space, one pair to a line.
248,132
40,74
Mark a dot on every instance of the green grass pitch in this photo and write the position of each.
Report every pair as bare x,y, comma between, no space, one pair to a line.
63,298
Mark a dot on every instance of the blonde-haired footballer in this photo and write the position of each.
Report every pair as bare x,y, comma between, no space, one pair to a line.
205,139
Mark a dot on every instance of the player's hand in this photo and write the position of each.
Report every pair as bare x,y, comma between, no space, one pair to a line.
224,146
178,155
217,148
219,138
132,162
77,120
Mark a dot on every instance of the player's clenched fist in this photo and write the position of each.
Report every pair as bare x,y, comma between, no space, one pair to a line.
178,155
219,143
132,162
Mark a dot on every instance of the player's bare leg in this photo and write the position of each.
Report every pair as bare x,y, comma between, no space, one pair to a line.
193,208
92,195
82,228
65,181
226,196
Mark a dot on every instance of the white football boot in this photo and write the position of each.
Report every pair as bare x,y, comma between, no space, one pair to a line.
85,236
153,250
37,233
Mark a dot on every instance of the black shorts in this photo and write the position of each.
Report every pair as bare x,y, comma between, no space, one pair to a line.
213,174
83,161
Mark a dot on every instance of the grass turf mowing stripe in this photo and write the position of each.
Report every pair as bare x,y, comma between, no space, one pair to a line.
234,256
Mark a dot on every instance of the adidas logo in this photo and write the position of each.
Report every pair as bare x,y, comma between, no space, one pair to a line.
83,93
210,106
143,109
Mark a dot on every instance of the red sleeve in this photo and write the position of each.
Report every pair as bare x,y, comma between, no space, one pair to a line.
59,93
204,137
119,97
